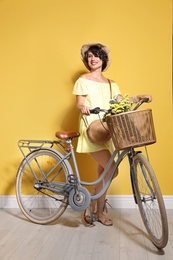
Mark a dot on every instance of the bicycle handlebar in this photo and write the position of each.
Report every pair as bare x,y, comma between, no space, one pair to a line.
144,100
97,110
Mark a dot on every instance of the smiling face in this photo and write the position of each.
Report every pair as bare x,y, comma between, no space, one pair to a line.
95,57
94,62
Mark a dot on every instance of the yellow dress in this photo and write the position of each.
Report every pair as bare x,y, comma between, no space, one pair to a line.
97,95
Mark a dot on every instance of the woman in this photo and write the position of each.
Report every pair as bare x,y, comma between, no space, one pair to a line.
92,90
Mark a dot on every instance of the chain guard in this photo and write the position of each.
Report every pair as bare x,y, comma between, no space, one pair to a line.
79,199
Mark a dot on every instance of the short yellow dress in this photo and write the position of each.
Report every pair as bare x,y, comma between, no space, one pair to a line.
98,94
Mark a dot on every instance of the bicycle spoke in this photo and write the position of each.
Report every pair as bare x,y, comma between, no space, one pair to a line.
35,179
150,201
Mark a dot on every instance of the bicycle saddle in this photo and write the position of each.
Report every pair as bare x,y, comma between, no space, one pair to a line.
66,135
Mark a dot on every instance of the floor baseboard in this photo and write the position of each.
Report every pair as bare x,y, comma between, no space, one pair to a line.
116,201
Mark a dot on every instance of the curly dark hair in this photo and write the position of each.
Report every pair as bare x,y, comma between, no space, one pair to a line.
97,51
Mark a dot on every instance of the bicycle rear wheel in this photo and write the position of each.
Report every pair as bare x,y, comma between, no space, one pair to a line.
150,201
40,205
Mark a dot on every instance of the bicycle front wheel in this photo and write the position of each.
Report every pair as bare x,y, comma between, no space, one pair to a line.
40,205
150,201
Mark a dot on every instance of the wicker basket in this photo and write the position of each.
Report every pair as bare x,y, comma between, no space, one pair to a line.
132,129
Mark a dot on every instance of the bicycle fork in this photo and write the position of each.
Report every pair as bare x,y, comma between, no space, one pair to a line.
131,156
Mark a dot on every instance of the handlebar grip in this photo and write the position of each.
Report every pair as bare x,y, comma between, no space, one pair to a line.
145,99
95,110
141,102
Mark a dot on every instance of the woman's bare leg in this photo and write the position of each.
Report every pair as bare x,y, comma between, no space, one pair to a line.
102,158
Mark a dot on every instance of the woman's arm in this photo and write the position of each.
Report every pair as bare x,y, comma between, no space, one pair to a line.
134,99
80,105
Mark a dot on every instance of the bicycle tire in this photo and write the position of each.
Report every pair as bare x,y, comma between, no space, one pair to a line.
150,201
41,206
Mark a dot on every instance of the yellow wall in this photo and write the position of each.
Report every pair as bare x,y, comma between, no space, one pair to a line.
39,62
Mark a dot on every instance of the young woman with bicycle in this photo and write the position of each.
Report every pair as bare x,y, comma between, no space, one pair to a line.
48,178
92,89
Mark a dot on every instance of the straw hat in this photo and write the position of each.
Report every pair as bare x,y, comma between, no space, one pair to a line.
104,47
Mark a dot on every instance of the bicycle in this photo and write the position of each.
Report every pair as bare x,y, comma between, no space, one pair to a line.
48,180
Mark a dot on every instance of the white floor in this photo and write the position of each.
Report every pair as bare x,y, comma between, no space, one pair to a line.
69,238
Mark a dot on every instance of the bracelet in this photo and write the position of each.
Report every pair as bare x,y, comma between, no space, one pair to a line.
135,99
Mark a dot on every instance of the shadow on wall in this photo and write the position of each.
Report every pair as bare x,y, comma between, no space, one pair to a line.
86,164
10,172
71,114
69,122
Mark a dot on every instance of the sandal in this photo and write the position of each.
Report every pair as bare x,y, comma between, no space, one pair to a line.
105,208
88,218
90,215
102,207
107,222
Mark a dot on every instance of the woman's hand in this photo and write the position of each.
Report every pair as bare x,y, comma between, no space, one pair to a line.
139,97
149,98
85,110
80,104
146,96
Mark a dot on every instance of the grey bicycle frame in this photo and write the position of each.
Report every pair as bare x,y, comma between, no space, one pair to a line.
61,187
101,178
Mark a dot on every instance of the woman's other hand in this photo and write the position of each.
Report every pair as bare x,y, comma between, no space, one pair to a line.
139,97
80,105
85,110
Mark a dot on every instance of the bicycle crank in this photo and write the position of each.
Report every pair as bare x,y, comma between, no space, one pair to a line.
79,199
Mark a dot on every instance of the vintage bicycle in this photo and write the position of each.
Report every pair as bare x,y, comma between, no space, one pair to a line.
48,179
